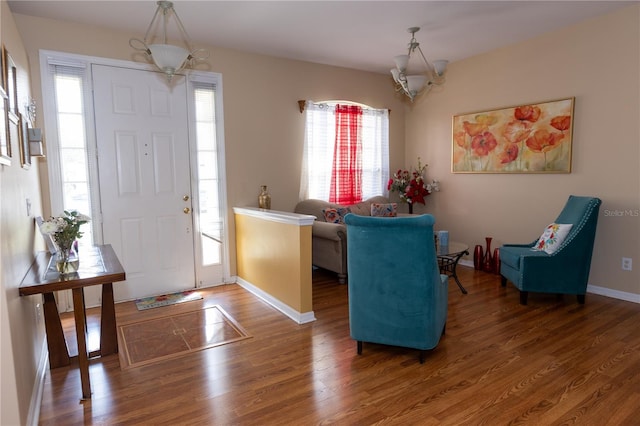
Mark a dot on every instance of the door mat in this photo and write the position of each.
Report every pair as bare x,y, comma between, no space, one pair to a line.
167,299
170,337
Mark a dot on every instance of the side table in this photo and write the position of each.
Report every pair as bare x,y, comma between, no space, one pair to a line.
448,258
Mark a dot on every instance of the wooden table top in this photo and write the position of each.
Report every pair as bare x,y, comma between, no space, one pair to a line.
98,265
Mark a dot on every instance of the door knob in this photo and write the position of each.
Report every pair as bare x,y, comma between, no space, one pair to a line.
186,210
185,197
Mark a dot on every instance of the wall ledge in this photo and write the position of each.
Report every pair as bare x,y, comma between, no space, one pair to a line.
276,216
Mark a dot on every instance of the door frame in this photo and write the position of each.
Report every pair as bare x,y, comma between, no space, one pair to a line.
48,57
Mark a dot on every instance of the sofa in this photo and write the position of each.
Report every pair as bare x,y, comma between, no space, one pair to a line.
329,240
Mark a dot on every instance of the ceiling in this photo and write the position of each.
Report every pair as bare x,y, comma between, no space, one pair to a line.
363,35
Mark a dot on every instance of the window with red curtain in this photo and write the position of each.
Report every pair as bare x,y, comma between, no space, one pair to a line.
346,174
346,152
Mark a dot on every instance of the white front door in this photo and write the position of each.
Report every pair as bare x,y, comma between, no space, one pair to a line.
143,166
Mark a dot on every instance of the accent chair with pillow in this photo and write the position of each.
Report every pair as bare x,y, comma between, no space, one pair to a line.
560,260
329,235
397,295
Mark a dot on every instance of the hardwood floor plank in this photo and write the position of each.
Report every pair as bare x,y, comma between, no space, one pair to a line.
550,362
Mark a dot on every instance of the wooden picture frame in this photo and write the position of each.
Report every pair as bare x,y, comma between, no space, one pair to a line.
25,154
529,138
5,142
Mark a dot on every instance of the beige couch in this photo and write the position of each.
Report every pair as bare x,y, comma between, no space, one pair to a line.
329,240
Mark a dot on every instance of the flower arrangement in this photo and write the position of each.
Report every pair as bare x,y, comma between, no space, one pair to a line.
65,229
411,186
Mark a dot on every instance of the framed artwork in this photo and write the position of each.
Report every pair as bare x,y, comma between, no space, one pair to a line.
3,70
5,142
25,155
12,82
530,138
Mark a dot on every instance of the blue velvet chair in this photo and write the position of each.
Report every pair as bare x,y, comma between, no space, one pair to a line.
566,271
396,293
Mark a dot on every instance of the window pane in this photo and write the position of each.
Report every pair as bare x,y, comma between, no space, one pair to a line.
71,130
74,165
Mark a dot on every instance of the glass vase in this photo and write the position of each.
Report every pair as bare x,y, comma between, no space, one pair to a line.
264,199
67,261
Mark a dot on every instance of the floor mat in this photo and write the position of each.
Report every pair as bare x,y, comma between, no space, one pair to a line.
158,339
167,299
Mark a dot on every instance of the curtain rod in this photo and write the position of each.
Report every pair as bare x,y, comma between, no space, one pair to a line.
302,103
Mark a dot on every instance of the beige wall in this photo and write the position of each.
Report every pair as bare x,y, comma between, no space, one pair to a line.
22,333
263,126
598,63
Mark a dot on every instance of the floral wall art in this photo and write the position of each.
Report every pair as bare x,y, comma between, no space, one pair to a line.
533,138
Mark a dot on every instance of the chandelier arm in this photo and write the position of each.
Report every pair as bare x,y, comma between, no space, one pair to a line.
430,67
146,34
184,32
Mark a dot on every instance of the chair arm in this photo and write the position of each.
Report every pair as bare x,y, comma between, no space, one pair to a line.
329,231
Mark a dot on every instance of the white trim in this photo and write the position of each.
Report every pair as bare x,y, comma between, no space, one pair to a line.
33,416
276,216
299,317
615,294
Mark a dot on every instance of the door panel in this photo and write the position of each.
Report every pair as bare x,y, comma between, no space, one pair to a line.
143,161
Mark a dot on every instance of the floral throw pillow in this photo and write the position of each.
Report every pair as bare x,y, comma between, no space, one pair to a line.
384,209
335,215
553,237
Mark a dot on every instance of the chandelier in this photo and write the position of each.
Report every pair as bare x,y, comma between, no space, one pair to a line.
414,84
169,58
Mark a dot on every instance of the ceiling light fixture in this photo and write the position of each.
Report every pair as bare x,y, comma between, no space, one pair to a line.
169,58
414,84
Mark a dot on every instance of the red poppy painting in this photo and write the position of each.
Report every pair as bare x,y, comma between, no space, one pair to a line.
531,138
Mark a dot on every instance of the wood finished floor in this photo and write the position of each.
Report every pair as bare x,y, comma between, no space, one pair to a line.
553,362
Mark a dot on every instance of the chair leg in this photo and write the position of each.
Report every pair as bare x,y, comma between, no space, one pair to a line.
503,281
359,347
422,355
444,329
581,299
523,297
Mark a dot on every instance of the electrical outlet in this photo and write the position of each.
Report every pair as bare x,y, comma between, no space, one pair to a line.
626,263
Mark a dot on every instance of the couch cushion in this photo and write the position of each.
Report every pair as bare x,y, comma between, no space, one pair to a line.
553,237
335,215
384,209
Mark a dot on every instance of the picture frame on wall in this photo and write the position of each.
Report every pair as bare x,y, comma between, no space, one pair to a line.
11,82
5,142
3,70
528,138
25,155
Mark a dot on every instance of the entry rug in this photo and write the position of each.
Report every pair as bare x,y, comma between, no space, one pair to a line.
167,299
158,339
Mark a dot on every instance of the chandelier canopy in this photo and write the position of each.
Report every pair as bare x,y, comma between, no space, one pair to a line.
169,58
414,84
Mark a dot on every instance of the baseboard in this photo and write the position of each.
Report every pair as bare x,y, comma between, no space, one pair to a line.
33,417
299,317
602,291
615,294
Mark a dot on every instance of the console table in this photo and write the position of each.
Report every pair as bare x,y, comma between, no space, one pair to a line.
448,258
98,265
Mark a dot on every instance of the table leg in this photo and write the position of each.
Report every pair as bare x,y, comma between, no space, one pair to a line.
56,343
448,265
81,335
108,332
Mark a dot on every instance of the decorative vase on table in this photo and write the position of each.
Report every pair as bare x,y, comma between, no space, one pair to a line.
67,260
264,199
487,264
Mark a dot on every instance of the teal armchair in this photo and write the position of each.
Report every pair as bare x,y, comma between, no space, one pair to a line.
397,295
566,271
